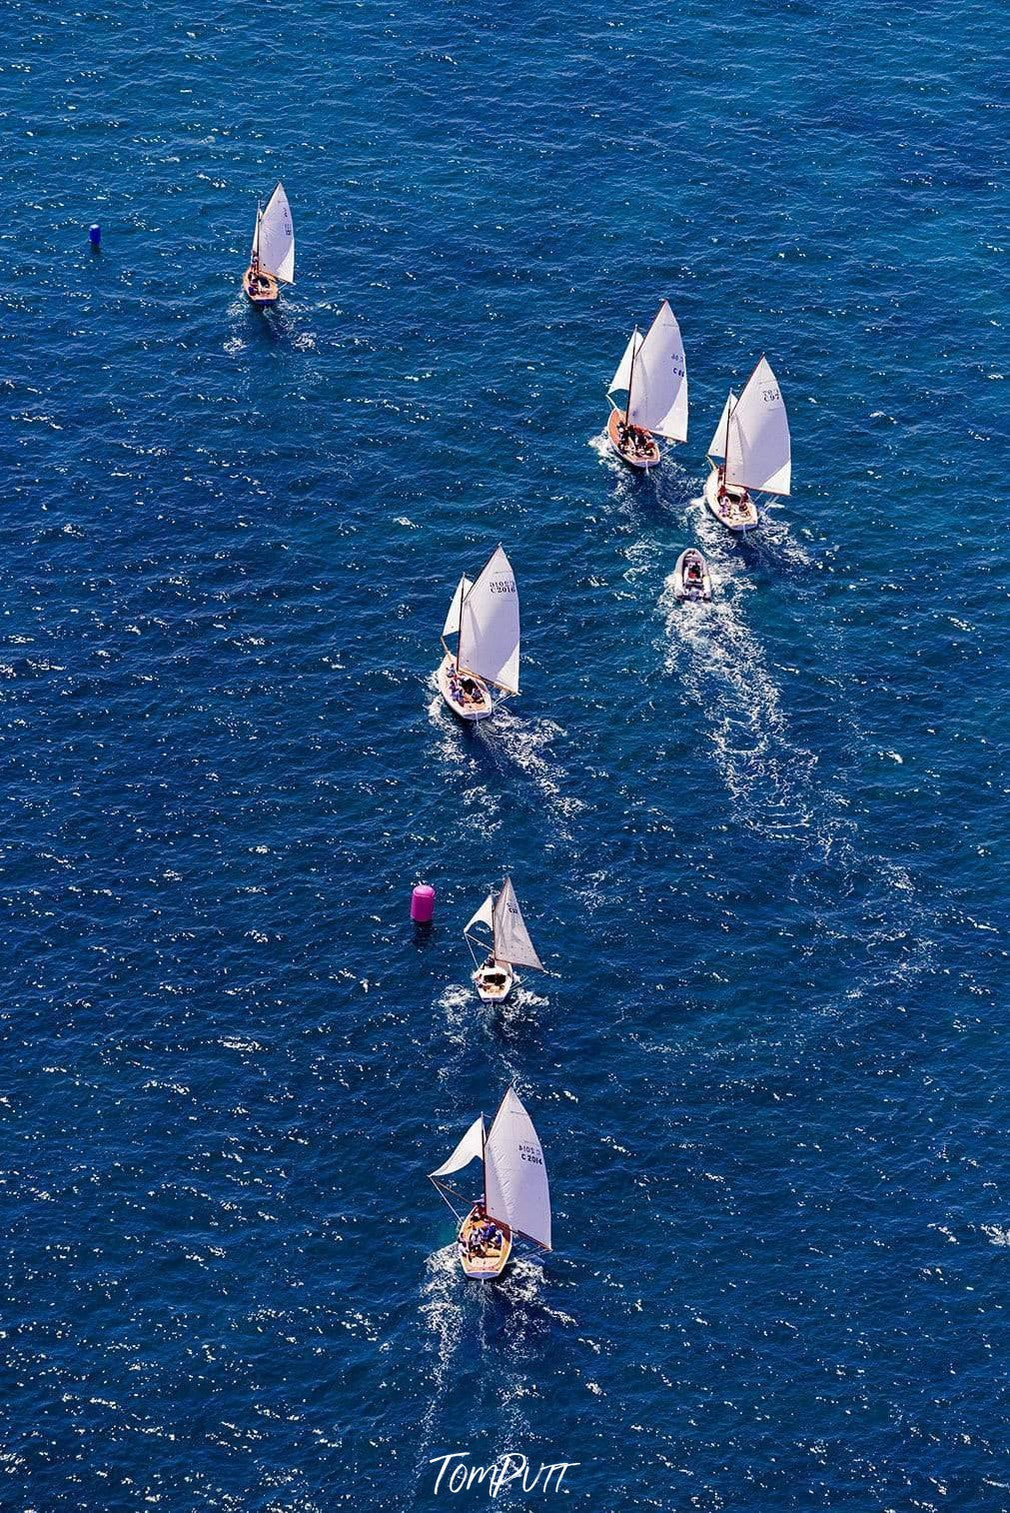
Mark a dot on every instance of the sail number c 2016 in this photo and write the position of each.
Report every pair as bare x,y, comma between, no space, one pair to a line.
502,585
531,1154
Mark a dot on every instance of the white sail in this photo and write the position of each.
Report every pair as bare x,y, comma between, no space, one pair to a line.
469,1148
489,633
623,375
484,916
659,382
511,938
274,238
515,1177
451,625
759,451
717,447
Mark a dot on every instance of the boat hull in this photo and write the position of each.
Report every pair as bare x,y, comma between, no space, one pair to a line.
482,1263
733,507
468,704
493,981
262,289
684,589
642,461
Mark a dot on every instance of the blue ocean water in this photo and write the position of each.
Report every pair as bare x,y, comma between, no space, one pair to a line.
761,845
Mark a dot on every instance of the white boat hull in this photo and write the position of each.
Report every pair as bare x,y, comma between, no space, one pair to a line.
493,981
733,507
468,698
481,1261
644,458
686,589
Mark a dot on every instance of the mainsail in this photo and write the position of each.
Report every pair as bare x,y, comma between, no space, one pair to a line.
622,378
511,938
717,447
658,384
274,238
758,456
515,1177
489,627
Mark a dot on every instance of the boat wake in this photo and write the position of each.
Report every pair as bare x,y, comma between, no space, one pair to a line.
507,740
722,669
458,757
442,1315
526,745
456,1003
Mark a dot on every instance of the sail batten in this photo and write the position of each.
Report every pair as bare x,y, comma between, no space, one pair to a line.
759,452
658,394
511,938
516,1188
489,626
274,238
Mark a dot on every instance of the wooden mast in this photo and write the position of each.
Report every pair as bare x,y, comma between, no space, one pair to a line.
631,376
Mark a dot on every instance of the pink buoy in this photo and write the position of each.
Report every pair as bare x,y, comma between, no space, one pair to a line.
422,904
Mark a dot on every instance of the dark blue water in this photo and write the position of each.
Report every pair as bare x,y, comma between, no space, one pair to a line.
762,845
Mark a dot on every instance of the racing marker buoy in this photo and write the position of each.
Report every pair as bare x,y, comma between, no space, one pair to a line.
422,904
95,238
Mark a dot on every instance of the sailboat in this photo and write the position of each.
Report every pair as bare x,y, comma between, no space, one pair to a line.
272,259
509,945
653,375
516,1196
484,618
750,450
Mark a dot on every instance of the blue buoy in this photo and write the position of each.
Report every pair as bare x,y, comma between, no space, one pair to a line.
95,237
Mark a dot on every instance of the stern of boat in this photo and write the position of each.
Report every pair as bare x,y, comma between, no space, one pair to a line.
260,293
469,708
642,462
734,508
494,983
484,1263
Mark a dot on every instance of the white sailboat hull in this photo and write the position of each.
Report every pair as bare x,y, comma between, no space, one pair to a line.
733,507
468,697
493,981
644,458
685,588
483,1262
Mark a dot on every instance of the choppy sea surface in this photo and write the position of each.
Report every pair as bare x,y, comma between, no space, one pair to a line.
761,845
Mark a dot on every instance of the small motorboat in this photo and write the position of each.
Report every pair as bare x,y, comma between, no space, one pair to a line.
690,576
